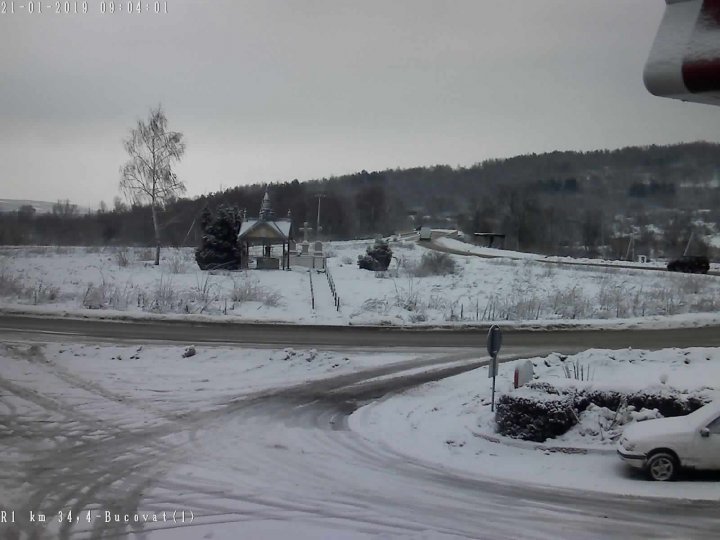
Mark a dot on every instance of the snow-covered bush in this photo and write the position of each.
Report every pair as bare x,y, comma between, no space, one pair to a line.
667,401
407,297
541,411
107,295
250,290
122,257
433,263
144,254
203,292
366,262
569,302
176,263
533,417
607,425
377,257
163,297
42,293
10,283
94,298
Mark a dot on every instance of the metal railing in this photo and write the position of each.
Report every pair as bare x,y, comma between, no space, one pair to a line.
333,289
312,290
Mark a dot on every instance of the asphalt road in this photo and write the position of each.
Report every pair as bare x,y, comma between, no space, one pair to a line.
294,461
562,340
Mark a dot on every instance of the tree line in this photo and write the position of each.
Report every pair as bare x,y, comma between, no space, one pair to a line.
578,203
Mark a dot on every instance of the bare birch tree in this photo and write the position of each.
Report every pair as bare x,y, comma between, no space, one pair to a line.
148,176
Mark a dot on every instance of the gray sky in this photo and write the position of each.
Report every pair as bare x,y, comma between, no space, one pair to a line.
269,90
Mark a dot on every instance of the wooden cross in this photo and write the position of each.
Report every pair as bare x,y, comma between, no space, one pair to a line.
305,230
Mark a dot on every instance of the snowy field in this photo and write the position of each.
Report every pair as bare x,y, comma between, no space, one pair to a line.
450,422
114,282
457,245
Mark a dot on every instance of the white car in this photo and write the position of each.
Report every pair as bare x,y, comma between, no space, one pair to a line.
663,446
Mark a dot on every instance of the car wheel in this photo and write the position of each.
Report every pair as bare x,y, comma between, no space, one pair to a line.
662,467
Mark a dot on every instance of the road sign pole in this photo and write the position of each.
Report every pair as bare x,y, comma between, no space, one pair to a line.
494,342
494,366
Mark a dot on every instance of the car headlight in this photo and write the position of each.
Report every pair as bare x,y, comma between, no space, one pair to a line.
627,445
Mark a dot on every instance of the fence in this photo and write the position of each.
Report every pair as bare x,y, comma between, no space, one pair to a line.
312,291
333,289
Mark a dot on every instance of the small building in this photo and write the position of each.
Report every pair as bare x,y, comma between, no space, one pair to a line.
489,239
425,233
268,232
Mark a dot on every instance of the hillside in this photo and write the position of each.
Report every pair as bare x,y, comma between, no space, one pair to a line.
559,202
13,205
41,207
649,199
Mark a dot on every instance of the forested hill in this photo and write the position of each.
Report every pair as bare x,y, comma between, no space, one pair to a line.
554,202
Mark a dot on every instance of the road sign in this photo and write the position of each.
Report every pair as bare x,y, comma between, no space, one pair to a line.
494,340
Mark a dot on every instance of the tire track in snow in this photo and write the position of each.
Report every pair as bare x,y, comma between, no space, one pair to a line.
109,463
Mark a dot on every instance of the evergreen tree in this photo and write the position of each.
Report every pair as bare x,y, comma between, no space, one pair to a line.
219,247
377,258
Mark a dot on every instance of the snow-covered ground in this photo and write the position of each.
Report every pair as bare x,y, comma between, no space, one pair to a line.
116,282
79,418
450,422
181,383
258,442
184,431
458,245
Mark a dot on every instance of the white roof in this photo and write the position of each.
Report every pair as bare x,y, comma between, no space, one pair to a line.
282,226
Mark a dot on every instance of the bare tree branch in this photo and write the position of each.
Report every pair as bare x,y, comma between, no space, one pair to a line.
147,176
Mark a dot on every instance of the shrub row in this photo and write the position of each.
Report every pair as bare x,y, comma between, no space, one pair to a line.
668,403
530,419
546,412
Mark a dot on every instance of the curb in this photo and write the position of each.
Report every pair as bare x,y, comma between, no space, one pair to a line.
528,445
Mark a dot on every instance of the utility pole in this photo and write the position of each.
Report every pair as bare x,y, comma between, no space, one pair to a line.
318,229
687,247
631,246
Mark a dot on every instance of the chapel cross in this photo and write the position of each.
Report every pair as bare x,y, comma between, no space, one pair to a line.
305,230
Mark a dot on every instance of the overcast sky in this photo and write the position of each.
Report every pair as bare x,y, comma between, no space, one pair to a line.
270,90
